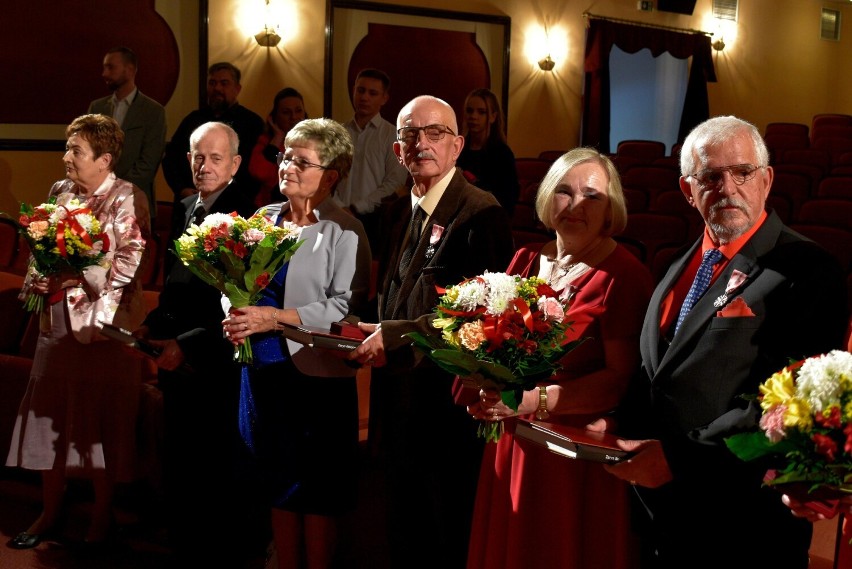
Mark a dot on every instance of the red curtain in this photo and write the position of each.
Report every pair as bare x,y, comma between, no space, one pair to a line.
603,34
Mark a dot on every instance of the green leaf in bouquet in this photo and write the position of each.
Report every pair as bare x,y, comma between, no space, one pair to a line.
496,371
753,445
455,362
237,296
207,273
234,267
426,343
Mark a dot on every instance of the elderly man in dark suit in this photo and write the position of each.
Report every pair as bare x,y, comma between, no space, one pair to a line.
199,380
447,231
747,297
142,119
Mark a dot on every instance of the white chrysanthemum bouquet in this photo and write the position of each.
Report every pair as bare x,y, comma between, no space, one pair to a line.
807,423
238,256
62,236
508,330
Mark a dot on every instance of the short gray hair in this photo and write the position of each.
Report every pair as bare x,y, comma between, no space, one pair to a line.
200,132
716,131
331,139
616,215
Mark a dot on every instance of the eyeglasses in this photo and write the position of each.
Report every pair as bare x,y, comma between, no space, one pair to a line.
712,177
434,132
301,164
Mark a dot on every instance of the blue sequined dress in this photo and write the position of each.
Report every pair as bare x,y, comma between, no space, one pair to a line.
300,433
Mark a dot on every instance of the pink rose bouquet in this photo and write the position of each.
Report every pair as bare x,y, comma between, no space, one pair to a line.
507,330
238,256
62,236
806,424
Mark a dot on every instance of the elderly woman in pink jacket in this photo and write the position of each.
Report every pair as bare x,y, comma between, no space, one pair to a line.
78,415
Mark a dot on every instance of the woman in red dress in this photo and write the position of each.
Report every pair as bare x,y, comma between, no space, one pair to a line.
535,508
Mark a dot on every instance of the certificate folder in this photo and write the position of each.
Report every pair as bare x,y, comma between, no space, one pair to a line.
128,339
320,337
572,442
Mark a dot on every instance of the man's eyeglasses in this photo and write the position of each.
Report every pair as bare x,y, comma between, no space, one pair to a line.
713,177
300,163
434,132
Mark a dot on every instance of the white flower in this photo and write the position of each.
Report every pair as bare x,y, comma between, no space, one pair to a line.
821,381
503,289
217,219
85,220
471,295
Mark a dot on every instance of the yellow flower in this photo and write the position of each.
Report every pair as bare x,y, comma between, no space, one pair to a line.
798,415
450,338
778,389
442,323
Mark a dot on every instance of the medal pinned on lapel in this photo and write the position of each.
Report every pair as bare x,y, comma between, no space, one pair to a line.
434,239
736,280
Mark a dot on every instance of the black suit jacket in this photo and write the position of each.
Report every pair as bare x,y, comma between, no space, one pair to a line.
189,309
689,393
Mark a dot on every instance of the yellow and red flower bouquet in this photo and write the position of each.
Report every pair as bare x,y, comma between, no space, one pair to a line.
238,256
62,236
807,425
507,330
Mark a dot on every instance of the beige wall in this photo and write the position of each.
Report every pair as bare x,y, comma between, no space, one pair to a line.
776,69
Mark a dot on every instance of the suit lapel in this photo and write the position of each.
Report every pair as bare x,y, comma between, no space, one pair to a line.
443,215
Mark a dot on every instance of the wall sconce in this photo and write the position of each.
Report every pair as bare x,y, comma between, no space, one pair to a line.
718,45
267,37
552,43
546,64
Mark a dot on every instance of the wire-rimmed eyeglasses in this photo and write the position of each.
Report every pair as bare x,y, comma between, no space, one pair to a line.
712,177
300,163
434,132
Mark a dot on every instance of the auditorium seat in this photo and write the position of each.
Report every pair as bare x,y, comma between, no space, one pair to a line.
645,150
531,170
835,187
625,163
652,179
657,230
674,203
813,174
663,259
636,199
634,246
786,128
835,240
778,144
833,212
523,237
793,186
823,120
551,155
834,146
810,157
781,205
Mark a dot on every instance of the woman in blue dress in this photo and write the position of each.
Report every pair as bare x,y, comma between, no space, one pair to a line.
298,405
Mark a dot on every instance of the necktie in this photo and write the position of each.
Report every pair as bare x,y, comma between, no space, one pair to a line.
700,284
197,214
413,237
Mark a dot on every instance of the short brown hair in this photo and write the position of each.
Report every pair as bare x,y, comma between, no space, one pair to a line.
101,132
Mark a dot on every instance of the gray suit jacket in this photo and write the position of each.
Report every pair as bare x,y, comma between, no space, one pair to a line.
144,141
328,277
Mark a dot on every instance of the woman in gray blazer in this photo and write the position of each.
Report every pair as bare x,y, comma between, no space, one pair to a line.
302,456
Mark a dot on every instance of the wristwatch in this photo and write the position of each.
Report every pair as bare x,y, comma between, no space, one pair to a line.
541,413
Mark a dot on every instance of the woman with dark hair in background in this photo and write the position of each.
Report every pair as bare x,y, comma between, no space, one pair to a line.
288,108
486,160
78,416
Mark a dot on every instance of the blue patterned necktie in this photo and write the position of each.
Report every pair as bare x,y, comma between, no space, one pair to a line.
700,284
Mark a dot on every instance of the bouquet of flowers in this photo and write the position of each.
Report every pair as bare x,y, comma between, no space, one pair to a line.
807,424
507,330
62,237
238,256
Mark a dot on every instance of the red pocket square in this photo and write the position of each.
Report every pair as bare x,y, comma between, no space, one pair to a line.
736,308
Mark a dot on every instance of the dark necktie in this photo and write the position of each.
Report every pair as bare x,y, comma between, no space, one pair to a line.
413,237
198,214
700,284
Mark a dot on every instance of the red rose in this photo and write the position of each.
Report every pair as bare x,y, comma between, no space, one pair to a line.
262,280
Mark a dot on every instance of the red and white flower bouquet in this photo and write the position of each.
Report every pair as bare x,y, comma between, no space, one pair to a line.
807,425
63,236
238,256
507,330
